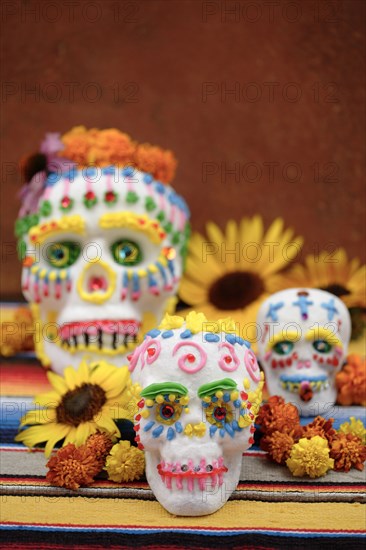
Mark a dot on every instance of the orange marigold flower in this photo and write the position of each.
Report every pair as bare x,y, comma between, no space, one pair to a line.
158,162
347,451
320,426
112,147
276,415
351,382
100,444
77,143
278,445
72,467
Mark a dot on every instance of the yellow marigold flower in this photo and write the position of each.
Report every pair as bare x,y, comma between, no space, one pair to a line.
310,457
354,427
125,463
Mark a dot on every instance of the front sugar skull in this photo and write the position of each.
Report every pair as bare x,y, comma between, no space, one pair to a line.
199,394
304,340
102,255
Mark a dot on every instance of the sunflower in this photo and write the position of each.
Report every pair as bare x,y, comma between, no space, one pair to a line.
82,402
333,272
228,274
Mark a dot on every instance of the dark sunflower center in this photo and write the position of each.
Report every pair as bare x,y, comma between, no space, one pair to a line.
235,290
337,290
81,404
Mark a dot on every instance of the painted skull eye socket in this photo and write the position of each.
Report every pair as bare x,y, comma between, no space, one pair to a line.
220,410
220,413
284,347
62,254
126,252
322,346
168,413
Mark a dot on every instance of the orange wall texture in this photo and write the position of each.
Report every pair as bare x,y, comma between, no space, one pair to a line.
261,101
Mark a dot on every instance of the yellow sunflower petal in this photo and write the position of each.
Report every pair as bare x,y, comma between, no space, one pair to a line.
202,249
192,293
273,233
117,379
232,236
83,372
198,271
57,436
82,433
48,399
71,378
57,382
103,420
36,434
100,372
40,416
214,233
255,230
70,436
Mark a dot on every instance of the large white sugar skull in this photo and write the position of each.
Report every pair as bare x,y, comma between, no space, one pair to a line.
200,392
304,340
103,251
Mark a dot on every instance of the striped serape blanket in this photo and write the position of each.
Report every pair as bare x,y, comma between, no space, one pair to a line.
269,509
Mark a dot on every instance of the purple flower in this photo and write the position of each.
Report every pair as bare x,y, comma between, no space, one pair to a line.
31,193
51,144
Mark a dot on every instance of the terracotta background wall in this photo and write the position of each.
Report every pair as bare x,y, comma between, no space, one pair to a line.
273,89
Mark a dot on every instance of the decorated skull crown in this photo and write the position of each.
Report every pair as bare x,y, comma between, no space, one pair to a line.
102,237
304,339
200,389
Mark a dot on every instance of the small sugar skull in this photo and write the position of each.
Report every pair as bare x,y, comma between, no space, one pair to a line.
199,394
102,256
304,340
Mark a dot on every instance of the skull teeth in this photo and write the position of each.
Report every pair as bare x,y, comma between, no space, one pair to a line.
102,341
189,476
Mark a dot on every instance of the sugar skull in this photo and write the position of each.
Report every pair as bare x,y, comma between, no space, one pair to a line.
304,340
200,390
102,245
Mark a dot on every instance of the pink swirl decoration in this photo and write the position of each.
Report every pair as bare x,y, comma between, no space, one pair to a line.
139,352
153,351
250,361
188,362
233,364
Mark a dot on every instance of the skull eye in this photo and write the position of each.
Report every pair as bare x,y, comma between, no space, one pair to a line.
284,347
219,410
126,252
322,346
219,413
62,254
168,412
